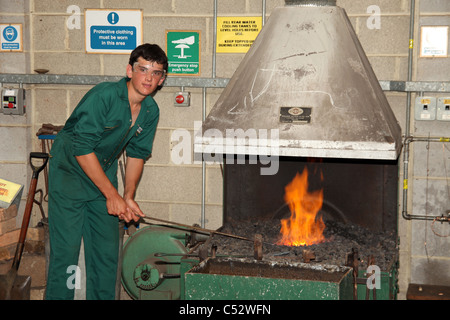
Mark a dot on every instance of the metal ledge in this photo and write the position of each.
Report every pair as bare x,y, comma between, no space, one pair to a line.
93,80
415,86
386,85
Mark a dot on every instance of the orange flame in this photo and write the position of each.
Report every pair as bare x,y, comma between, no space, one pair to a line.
302,228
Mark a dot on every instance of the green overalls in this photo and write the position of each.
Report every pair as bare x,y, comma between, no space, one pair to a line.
77,209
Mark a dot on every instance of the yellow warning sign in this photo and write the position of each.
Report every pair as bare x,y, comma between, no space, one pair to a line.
8,192
237,34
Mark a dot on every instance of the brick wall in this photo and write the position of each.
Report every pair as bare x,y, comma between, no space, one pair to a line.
172,191
9,235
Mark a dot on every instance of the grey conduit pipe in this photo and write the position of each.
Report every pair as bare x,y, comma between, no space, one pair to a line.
409,139
408,114
213,75
405,214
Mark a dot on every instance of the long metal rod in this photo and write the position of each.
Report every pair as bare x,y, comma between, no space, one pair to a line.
203,213
408,115
198,229
47,79
263,14
73,79
410,63
213,75
214,40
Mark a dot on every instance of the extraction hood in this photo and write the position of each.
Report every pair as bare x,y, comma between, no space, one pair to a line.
305,89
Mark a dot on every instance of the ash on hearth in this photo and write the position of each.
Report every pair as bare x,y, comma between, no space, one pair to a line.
340,240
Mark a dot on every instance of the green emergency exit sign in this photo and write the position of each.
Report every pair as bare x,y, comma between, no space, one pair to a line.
183,52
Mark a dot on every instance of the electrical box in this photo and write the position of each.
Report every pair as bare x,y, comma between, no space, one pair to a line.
425,108
182,99
443,109
13,101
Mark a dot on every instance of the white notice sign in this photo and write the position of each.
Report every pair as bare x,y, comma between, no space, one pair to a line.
113,31
434,41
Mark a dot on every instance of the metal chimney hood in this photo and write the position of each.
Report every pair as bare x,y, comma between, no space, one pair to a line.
305,89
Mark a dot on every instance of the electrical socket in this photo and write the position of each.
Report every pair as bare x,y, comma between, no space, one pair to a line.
425,108
443,109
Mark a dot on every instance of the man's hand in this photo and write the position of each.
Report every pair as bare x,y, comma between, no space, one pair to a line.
133,210
125,208
116,206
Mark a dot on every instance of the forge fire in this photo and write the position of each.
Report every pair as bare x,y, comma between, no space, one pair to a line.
341,240
304,226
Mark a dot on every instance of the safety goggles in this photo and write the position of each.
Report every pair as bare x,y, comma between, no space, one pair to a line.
145,70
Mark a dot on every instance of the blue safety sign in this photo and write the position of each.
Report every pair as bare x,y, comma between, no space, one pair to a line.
11,37
113,31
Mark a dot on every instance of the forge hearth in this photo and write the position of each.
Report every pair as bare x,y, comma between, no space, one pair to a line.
340,240
330,117
359,210
363,192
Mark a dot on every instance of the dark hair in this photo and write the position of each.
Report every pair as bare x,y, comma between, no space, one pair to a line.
150,52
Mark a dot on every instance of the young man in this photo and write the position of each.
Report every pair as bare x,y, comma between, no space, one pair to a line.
83,197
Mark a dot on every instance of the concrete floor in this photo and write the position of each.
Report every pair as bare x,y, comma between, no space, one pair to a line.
30,265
